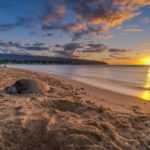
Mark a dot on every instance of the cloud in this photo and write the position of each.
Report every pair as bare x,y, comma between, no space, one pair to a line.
145,45
77,28
35,48
119,57
115,50
21,21
53,12
145,20
33,33
8,44
47,35
133,29
110,12
80,47
101,11
73,26
67,50
92,48
26,48
71,49
80,50
88,31
6,27
81,18
107,36
91,16
38,46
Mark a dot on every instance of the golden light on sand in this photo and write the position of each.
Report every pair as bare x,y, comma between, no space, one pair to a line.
146,94
147,86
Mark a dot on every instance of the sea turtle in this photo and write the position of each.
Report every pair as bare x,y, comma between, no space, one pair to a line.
27,85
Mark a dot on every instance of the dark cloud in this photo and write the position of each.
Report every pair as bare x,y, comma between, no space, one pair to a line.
53,12
113,56
69,50
119,53
33,33
115,50
6,27
119,57
47,35
90,30
77,28
26,22
96,48
72,46
7,44
81,33
35,48
38,46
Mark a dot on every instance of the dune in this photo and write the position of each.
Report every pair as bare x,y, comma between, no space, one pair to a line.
70,116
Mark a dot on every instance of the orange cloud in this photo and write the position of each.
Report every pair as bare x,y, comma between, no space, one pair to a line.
74,26
117,17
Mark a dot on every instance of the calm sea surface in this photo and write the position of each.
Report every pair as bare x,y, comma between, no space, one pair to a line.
130,80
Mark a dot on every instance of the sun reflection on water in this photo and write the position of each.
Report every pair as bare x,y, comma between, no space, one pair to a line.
146,94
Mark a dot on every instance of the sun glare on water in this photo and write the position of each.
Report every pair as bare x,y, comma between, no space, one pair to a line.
149,62
146,94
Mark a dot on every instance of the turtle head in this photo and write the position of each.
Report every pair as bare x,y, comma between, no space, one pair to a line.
11,90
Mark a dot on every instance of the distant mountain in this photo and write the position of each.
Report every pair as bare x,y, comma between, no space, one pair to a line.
16,58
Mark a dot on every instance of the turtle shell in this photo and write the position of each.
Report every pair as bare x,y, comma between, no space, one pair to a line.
28,85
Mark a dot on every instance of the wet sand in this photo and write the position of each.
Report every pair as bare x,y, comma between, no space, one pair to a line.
71,116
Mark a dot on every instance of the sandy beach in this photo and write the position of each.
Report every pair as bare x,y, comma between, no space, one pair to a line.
70,116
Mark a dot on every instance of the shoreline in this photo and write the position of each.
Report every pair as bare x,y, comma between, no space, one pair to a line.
109,99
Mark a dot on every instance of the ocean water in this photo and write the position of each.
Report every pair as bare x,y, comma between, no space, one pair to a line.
129,80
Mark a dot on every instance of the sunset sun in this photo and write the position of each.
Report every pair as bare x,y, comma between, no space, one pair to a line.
145,61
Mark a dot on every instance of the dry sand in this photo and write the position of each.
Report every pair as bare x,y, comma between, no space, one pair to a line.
71,116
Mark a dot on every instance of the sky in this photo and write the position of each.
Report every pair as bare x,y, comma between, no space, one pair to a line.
114,31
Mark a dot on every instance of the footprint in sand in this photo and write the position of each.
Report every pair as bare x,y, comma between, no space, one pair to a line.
18,111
